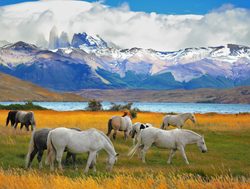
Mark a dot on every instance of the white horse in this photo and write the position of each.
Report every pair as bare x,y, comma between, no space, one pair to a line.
120,123
91,140
177,120
136,129
175,139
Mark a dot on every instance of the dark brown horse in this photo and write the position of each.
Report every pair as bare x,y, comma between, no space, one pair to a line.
11,118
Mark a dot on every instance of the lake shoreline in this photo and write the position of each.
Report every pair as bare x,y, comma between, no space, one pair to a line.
150,107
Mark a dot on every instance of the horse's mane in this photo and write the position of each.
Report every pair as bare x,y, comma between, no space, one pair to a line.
186,114
189,131
100,132
125,114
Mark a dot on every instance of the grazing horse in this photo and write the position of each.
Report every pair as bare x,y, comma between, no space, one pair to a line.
91,140
25,118
136,129
175,139
121,123
38,143
11,118
177,120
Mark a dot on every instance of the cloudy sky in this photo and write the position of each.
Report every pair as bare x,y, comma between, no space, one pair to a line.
158,24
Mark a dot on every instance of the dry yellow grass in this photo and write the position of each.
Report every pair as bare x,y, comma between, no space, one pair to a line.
18,179
129,173
87,119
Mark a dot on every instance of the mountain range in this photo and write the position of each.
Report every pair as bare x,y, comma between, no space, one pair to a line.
88,62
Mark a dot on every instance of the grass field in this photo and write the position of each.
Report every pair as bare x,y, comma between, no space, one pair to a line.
225,165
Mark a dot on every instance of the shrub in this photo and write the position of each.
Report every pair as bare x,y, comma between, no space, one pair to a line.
94,105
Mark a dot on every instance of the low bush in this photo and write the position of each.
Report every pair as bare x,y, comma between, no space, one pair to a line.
94,105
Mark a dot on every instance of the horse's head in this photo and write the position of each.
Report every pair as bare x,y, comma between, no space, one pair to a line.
127,113
111,161
192,118
202,145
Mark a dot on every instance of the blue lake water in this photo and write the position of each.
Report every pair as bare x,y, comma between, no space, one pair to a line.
150,106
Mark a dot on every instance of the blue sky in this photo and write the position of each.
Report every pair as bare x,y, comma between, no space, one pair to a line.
165,6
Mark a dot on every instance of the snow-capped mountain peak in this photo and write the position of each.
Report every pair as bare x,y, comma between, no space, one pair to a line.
88,43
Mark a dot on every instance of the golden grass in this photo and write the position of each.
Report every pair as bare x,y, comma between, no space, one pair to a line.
18,179
86,119
125,174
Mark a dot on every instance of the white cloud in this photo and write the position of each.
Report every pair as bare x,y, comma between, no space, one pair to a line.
123,27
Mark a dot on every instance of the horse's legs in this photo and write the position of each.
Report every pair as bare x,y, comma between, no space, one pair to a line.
32,155
135,139
92,156
93,164
74,160
12,123
126,135
52,154
27,127
140,151
39,158
21,126
16,122
182,150
143,152
59,154
67,157
114,134
171,155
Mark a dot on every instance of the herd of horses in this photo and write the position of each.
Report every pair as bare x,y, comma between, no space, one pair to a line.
75,141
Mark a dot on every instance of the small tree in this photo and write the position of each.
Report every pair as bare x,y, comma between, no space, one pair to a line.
133,112
94,105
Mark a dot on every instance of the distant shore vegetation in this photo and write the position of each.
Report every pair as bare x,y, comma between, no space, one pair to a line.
27,106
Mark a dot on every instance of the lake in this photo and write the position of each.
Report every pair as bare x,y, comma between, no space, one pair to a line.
150,106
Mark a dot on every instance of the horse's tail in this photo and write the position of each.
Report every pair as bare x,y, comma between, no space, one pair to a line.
31,148
136,147
8,119
162,125
109,127
51,152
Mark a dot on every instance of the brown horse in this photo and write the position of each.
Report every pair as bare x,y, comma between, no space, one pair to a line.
120,123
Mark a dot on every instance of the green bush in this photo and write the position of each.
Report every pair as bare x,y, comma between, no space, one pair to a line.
94,105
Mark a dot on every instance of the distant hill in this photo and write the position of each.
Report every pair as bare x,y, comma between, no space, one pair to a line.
14,89
234,95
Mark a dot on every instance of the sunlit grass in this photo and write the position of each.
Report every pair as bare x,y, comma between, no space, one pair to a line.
226,163
33,179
